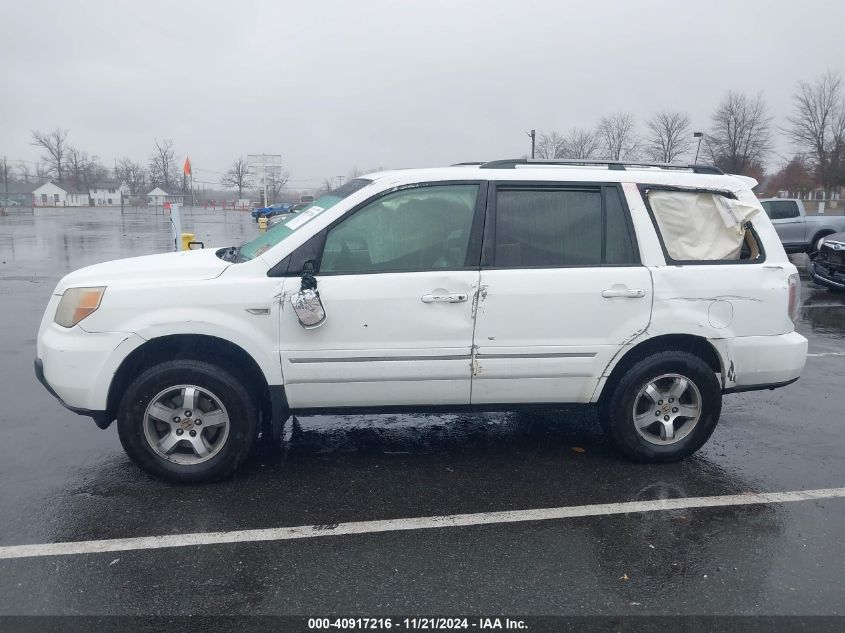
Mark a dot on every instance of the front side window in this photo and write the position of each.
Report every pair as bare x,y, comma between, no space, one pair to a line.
423,228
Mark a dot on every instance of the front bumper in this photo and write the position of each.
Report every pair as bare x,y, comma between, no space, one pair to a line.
77,367
100,418
825,276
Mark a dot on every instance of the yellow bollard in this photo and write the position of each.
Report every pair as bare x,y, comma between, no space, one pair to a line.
262,224
187,238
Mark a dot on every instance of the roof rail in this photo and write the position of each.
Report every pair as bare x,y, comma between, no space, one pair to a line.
610,164
471,162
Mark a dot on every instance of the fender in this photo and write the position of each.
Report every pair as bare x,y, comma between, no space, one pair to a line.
240,332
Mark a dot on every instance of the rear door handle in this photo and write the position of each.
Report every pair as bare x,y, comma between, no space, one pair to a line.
456,297
629,293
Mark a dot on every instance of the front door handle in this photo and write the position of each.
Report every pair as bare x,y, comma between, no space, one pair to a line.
456,297
630,293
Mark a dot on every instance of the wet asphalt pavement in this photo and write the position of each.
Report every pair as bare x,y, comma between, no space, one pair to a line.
62,479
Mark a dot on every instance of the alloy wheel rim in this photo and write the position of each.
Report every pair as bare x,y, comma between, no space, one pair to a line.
667,409
186,424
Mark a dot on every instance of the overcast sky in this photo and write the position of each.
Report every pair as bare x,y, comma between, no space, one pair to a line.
368,83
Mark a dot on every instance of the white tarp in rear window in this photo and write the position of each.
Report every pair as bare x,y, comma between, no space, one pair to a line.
700,226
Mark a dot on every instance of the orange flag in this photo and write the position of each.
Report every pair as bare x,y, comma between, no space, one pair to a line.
187,167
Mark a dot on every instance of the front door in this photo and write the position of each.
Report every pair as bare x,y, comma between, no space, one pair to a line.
561,290
397,278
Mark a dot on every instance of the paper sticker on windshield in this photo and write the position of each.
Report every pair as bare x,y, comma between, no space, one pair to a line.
302,218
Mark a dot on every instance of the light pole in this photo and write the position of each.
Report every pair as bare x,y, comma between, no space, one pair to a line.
533,135
699,136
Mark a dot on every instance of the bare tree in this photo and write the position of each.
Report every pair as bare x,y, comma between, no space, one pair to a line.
276,181
818,126
75,162
796,178
581,143
551,145
668,136
618,136
55,147
93,170
740,137
132,173
163,165
42,171
77,166
24,172
84,169
578,143
239,177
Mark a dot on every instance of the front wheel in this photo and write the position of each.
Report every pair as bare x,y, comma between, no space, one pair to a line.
664,408
187,421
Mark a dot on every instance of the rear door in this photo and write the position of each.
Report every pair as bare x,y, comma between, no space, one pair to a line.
562,288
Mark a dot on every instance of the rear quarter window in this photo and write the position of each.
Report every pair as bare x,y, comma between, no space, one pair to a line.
703,226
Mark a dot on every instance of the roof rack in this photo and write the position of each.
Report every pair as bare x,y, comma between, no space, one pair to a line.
610,164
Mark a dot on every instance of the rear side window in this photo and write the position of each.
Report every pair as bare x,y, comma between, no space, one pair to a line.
781,209
619,247
549,228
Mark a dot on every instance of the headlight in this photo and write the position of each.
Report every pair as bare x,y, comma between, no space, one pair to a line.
78,303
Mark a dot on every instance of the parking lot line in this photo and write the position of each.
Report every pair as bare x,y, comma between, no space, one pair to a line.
414,523
827,354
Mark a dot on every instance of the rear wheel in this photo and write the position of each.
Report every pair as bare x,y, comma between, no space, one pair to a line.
664,408
187,421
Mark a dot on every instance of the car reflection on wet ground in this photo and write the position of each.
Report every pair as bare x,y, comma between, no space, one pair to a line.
65,480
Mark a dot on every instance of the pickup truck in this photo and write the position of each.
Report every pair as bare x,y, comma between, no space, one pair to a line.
799,232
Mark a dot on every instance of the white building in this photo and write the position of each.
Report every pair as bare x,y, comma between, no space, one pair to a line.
107,192
54,193
158,196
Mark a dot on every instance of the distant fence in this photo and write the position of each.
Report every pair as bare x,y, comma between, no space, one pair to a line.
825,207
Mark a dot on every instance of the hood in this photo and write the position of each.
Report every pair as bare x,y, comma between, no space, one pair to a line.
195,265
835,237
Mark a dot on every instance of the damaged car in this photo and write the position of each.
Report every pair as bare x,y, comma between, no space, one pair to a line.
647,291
827,265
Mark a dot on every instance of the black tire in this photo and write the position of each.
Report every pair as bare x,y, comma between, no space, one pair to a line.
811,250
240,406
616,409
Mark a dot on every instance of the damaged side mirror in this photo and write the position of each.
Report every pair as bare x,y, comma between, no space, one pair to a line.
306,303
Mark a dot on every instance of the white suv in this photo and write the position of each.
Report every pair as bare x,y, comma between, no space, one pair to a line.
647,290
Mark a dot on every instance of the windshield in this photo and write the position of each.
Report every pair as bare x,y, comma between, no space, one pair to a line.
280,231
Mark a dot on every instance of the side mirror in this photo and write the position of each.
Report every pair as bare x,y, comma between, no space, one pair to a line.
306,303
